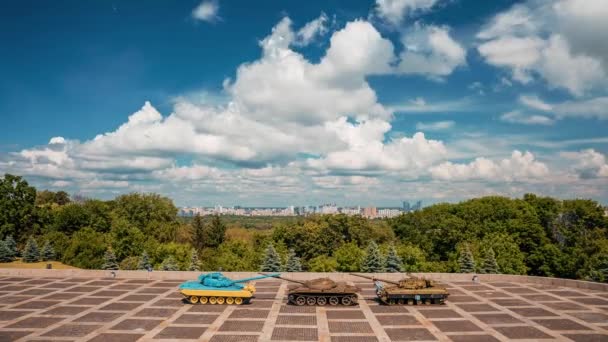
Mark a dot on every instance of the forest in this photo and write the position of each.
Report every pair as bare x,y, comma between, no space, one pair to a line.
532,235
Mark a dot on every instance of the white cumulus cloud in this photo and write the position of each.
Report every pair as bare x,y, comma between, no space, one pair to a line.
521,118
394,11
206,11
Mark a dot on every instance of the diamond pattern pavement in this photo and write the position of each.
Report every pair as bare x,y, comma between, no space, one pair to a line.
87,309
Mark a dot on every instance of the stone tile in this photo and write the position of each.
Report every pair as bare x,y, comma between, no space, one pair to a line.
345,314
106,293
234,338
349,327
84,289
6,315
265,296
195,319
155,312
120,306
61,296
456,326
65,311
297,309
353,339
475,288
473,338
522,290
477,307
152,290
409,334
591,317
295,334
117,337
14,299
6,335
397,320
168,303
296,320
591,301
35,322
498,318
439,313
180,332
139,325
37,304
532,312
14,288
587,337
388,308
510,302
90,301
36,292
124,287
521,332
102,283
560,324
207,308
566,293
138,298
493,294
72,330
99,317
540,298
139,281
257,303
254,326
565,306
462,299
249,313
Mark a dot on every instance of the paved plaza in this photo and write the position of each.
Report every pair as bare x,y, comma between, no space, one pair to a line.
123,310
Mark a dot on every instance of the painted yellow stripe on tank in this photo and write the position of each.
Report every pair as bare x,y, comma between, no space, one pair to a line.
216,293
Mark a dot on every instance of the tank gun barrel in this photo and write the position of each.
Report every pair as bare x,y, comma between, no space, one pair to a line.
374,278
276,275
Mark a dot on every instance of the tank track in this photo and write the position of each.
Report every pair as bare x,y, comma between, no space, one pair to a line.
331,299
217,300
400,300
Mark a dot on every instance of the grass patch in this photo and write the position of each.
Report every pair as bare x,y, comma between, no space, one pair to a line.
36,265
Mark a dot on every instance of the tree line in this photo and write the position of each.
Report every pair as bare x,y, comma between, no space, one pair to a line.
531,235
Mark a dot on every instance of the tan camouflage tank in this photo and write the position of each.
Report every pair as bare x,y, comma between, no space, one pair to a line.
321,291
410,291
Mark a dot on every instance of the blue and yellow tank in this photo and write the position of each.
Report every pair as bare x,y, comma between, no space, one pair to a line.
215,288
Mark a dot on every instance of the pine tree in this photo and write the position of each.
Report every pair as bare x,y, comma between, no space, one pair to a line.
109,260
48,253
373,260
602,268
466,261
490,265
11,245
5,252
272,261
144,262
393,261
31,252
293,262
199,236
169,264
215,232
195,265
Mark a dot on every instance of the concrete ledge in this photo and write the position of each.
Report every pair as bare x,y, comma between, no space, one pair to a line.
183,275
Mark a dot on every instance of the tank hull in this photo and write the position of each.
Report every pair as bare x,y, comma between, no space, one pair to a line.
413,297
197,293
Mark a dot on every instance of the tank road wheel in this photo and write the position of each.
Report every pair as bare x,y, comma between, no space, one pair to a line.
391,302
401,301
203,300
427,301
334,301
229,300
212,300
193,299
221,300
410,302
291,299
238,300
321,300
346,301
300,300
311,300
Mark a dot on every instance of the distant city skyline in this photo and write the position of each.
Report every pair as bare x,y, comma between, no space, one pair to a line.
274,102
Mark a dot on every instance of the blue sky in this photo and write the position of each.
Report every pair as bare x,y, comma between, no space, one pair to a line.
278,103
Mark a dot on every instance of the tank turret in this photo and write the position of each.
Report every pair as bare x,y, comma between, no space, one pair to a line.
215,288
410,290
321,291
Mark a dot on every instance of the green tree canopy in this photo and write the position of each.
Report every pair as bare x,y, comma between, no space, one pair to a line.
169,264
322,263
195,264
465,260
16,206
144,262
349,257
